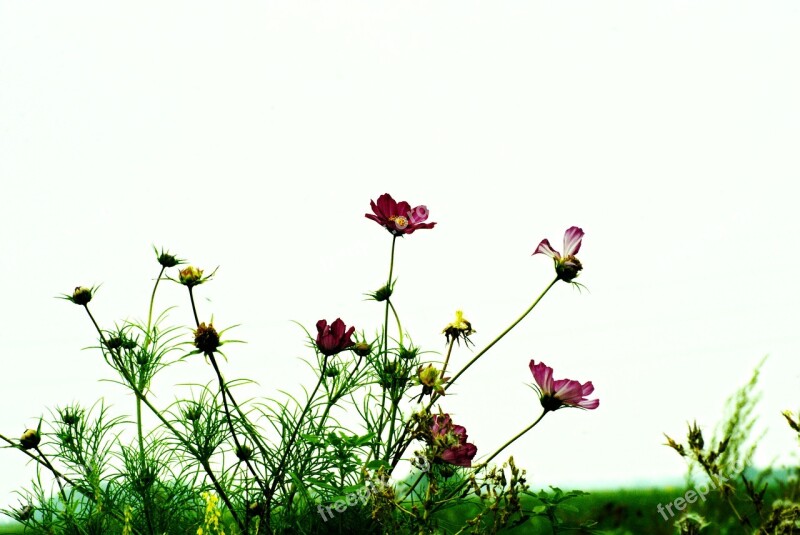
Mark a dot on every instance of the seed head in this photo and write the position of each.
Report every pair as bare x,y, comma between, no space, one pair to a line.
206,338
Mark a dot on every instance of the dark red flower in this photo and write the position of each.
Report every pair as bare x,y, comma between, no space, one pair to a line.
398,217
334,338
450,442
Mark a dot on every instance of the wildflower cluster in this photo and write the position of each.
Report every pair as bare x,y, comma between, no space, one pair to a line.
216,462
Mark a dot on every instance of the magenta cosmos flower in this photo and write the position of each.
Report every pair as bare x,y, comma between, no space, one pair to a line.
450,442
567,266
334,338
398,217
562,392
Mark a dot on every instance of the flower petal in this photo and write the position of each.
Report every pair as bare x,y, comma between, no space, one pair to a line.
387,205
460,455
568,391
546,249
572,241
543,375
337,328
589,403
321,324
403,209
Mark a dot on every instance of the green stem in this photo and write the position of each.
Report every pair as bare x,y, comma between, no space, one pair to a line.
88,495
412,487
150,310
396,396
142,387
385,352
435,397
143,463
510,441
280,471
222,389
447,357
186,444
194,308
303,467
499,337
55,473
397,319
226,394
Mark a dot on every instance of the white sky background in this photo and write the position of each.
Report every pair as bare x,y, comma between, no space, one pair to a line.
252,136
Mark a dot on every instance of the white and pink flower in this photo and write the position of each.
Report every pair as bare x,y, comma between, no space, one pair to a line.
567,265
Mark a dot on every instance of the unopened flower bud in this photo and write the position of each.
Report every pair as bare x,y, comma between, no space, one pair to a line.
408,353
24,513
362,349
167,260
383,293
193,413
115,342
70,417
81,295
244,452
190,276
29,439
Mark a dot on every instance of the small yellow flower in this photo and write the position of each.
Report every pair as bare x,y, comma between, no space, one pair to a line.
212,516
460,328
127,528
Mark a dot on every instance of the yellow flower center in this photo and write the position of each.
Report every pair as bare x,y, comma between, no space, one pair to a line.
399,221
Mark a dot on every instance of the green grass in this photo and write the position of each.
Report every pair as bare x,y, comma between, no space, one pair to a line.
617,512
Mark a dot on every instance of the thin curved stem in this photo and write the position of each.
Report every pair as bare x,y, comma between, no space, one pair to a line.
499,337
510,441
55,473
405,443
88,495
397,319
194,308
447,357
186,444
280,470
222,390
385,352
483,464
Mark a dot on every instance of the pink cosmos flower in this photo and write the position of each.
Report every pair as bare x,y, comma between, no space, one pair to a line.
450,441
562,392
335,338
567,266
398,217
